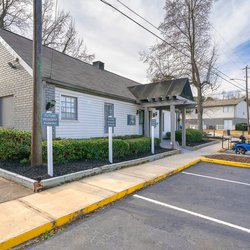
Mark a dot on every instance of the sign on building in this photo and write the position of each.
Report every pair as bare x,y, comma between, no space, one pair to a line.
131,120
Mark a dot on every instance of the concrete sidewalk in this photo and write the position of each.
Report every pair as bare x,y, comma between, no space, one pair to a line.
11,190
28,217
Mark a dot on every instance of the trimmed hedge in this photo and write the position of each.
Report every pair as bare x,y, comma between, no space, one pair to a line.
71,150
192,135
241,127
16,145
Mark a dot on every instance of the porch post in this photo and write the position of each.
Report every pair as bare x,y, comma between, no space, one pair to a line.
146,122
160,124
173,125
183,125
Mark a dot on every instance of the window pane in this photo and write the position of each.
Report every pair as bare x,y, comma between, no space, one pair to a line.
68,108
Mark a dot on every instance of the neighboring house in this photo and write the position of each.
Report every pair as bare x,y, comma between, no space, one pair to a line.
220,114
84,94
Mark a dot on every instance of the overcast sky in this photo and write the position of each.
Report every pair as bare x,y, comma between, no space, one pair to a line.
116,41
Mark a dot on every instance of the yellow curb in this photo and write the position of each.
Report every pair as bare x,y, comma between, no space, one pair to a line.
12,242
26,236
230,163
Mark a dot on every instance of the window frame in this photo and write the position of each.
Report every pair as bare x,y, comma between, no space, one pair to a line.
75,108
106,130
227,109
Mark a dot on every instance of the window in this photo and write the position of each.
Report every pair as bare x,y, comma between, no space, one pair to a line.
108,111
68,108
7,111
228,109
228,124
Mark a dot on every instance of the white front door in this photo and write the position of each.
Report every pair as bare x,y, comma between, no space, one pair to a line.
228,124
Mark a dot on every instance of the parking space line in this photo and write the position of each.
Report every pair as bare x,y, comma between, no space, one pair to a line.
215,178
247,230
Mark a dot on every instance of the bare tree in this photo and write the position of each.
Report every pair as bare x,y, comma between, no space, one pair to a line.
186,29
14,14
59,32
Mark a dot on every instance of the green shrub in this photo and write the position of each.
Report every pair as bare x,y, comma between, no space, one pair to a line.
241,127
14,144
192,135
122,137
69,149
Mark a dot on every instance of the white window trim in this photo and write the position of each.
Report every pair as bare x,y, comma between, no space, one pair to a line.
227,109
77,108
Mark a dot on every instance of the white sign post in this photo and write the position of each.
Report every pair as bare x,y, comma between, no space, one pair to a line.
111,124
152,140
50,150
153,125
110,145
50,120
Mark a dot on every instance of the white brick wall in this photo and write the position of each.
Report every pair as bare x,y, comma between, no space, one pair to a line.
16,82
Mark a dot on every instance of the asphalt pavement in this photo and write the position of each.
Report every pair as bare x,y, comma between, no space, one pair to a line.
206,206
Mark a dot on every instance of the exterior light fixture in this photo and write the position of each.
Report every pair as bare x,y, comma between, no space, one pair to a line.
12,65
50,105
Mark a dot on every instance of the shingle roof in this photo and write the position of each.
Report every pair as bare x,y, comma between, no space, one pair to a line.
223,102
66,69
176,87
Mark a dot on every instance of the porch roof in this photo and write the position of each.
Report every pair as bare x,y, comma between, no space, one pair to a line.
162,94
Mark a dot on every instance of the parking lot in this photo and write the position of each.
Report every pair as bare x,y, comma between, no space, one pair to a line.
206,206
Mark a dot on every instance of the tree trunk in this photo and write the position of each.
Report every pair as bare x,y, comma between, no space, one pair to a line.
199,108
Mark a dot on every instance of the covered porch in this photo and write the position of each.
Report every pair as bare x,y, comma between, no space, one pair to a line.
173,96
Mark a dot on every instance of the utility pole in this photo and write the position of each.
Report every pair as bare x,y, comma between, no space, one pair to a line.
36,144
247,100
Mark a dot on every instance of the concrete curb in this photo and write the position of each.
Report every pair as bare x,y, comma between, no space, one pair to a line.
27,182
222,162
49,183
202,145
56,181
12,242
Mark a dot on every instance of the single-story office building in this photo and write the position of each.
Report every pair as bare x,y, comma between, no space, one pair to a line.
85,95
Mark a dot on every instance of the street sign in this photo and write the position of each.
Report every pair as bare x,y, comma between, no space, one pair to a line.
153,123
111,122
50,119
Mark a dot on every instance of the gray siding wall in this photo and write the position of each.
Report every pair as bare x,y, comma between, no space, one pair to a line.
16,82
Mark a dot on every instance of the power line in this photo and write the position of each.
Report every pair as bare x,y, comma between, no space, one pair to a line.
226,43
138,15
130,18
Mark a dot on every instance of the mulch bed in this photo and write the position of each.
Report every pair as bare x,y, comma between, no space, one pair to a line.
236,158
67,168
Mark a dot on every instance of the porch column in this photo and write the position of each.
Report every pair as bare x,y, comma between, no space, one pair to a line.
160,124
183,125
173,125
146,122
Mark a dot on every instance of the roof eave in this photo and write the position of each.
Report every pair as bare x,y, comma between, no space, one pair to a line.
16,55
74,87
